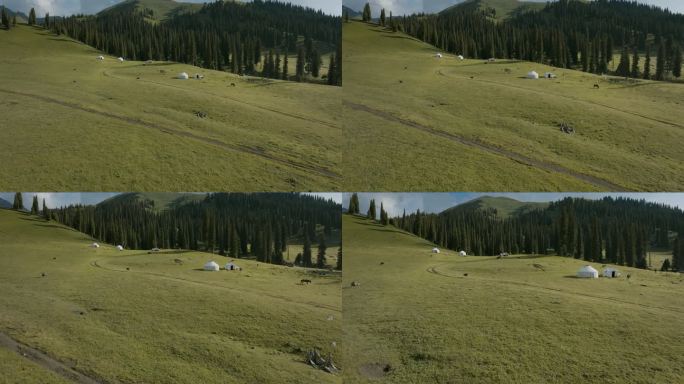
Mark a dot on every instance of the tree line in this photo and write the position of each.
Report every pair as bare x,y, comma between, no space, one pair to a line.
612,230
236,225
566,34
243,38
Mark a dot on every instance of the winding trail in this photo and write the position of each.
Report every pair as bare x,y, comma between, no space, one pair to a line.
522,159
45,361
177,132
97,264
433,269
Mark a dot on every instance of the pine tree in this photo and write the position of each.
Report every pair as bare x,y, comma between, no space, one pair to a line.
346,16
366,17
666,265
647,64
677,63
371,214
306,253
46,23
339,258
285,74
354,208
315,63
623,68
660,64
34,205
5,18
321,261
32,17
301,63
18,202
635,63
46,211
382,17
332,71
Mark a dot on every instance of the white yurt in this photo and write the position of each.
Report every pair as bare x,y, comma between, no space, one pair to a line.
463,253
155,249
550,75
100,57
211,266
587,272
435,250
232,267
183,76
460,57
121,59
94,245
491,60
611,272
533,75
439,56
120,247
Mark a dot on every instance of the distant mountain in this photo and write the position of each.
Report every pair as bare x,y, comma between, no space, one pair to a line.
502,207
496,9
4,204
154,201
21,16
352,13
152,9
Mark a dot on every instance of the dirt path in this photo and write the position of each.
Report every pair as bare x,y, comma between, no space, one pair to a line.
217,143
97,264
522,159
45,361
433,269
574,99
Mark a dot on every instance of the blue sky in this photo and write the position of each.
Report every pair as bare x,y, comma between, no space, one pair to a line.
400,7
69,7
56,200
395,203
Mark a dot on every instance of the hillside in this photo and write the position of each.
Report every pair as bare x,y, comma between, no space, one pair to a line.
427,124
5,204
21,16
110,126
496,9
131,316
417,315
157,10
503,206
351,13
155,201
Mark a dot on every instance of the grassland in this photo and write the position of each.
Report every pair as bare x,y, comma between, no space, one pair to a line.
124,317
73,123
425,124
508,321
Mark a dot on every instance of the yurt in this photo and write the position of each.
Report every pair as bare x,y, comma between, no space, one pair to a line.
100,57
587,272
94,245
460,57
121,59
491,60
435,250
211,266
439,56
183,76
611,272
232,267
533,75
463,253
120,247
155,249
550,75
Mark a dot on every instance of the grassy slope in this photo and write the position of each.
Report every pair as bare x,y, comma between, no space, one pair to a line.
505,207
78,124
504,8
158,321
627,135
507,322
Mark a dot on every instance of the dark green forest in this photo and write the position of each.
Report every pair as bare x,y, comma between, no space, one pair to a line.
236,224
567,34
243,38
612,230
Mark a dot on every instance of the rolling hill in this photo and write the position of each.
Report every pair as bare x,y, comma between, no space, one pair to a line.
422,123
417,316
131,316
108,125
351,13
158,202
497,9
503,207
157,10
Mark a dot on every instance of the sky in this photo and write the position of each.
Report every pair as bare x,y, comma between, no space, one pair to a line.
56,200
69,7
401,7
395,203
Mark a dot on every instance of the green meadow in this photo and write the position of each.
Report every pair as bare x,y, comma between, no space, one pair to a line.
443,318
421,123
133,316
74,123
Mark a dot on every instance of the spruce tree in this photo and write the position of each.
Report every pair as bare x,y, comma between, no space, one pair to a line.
354,208
32,17
5,18
18,202
623,68
306,253
301,63
371,214
321,261
677,63
382,17
339,258
647,64
34,205
285,75
366,17
660,64
666,265
332,71
46,211
315,63
46,23
635,63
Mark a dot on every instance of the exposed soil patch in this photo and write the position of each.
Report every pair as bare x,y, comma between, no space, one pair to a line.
375,370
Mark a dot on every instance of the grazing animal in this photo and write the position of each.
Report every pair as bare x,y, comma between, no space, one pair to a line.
382,263
305,281
54,258
596,86
465,274
628,275
355,284
43,274
232,84
128,269
401,81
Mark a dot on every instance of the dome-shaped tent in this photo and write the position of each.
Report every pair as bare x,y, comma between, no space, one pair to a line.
232,267
94,245
439,55
550,75
533,75
121,59
100,57
435,250
587,272
211,266
460,57
120,247
463,253
183,76
611,272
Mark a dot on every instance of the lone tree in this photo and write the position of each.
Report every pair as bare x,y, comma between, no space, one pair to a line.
371,210
315,63
286,64
34,205
623,67
32,17
660,64
301,63
677,63
382,17
339,259
354,204
635,62
647,64
5,18
46,23
366,17
332,70
18,202
666,265
321,261
306,254
46,211
384,218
